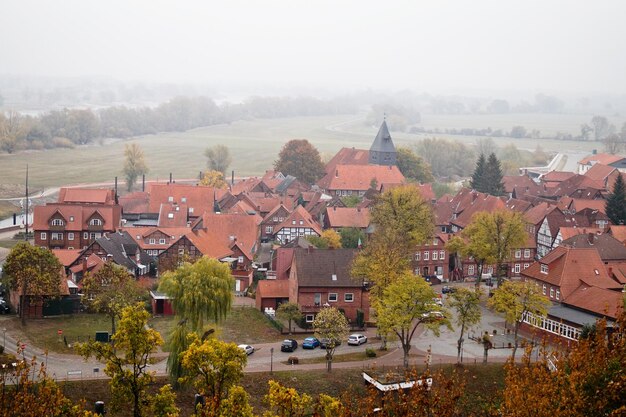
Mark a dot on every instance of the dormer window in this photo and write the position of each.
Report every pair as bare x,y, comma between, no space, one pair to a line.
170,199
57,222
95,222
71,218
544,268
170,215
183,200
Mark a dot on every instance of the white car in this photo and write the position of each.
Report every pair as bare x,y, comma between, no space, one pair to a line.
247,348
357,339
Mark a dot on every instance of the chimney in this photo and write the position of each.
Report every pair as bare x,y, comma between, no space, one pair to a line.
170,178
84,266
590,238
143,182
115,190
336,173
610,271
232,177
334,208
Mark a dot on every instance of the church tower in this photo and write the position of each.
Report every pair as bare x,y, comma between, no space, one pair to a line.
382,151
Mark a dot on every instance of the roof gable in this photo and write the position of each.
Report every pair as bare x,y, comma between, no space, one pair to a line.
324,267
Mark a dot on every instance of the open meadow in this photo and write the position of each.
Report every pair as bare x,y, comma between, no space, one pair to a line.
254,145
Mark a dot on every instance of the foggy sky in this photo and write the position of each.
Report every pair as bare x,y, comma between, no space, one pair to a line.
550,46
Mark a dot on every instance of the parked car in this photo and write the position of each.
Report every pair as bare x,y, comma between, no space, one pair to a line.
324,342
4,307
357,339
447,290
247,348
437,315
310,343
288,345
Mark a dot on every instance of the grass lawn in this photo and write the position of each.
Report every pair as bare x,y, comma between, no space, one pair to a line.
484,383
8,243
243,325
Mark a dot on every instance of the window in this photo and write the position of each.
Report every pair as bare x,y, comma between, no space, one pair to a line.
426,255
71,218
152,241
544,289
435,255
183,200
526,266
275,219
418,256
310,318
161,241
280,219
301,222
56,236
240,259
518,254
348,297
170,199
318,298
470,270
558,294
95,222
332,297
551,292
544,268
44,236
526,253
293,222
269,229
417,270
70,236
56,222
435,242
190,210
442,254
85,235
181,251
517,268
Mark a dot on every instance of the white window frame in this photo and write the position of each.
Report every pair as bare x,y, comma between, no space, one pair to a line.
544,268
527,253
161,241
43,236
426,255
85,235
517,268
57,222
310,318
56,235
269,230
333,297
544,289
348,297
95,222
551,292
435,256
518,253
442,255
470,270
558,294
70,236
152,241
418,256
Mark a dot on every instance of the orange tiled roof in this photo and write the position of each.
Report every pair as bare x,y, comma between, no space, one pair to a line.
111,215
299,213
227,229
66,256
599,172
139,234
557,176
580,204
601,158
173,215
86,196
348,217
274,288
517,181
359,177
598,300
348,156
488,203
135,203
198,198
568,232
619,233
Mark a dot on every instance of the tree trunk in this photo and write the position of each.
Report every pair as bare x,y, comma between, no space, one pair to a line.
515,340
137,409
460,344
112,324
406,347
289,326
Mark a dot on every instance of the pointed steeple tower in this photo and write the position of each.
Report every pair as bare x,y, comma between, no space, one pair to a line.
383,152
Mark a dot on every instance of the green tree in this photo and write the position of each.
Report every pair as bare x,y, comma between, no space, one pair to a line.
218,158
201,291
237,404
402,220
466,303
34,272
286,402
413,166
213,179
213,367
164,403
406,303
134,164
332,325
616,202
478,181
351,200
110,290
515,299
493,176
300,159
290,312
352,237
127,363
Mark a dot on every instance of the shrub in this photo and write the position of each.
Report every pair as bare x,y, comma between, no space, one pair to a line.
60,142
292,360
370,353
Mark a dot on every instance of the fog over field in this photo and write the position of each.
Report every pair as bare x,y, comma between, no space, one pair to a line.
240,48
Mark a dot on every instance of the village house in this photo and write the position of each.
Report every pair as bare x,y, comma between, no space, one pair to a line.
588,162
338,218
298,223
431,259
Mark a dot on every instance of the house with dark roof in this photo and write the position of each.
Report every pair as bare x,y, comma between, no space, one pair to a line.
382,151
610,249
271,220
580,288
319,278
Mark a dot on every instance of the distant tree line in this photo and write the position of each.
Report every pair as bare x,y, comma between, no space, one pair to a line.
71,127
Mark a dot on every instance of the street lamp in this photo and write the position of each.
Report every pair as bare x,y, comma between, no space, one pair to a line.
4,335
271,360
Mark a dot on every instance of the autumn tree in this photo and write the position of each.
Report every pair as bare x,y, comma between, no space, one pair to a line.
300,159
332,325
402,220
515,299
134,164
352,237
127,363
329,239
33,272
286,402
111,289
290,312
213,179
406,303
218,158
413,167
616,202
12,131
200,292
466,303
213,367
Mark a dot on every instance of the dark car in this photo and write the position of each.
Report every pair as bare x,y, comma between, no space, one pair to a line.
4,307
288,345
447,290
324,342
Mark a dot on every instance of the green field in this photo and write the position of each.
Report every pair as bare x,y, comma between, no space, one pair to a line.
255,144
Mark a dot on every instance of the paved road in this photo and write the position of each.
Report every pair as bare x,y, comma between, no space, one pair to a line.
443,350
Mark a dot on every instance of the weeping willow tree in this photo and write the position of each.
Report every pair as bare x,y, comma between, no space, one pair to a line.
201,293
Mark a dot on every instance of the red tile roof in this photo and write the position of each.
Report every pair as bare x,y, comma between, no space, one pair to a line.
297,215
244,185
580,204
348,217
359,177
135,203
173,215
273,288
139,234
348,156
86,196
619,233
488,203
557,176
517,181
198,198
227,229
111,215
208,244
599,172
601,158
600,301
66,256
568,232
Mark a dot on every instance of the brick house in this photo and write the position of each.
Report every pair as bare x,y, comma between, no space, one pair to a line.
355,180
271,221
338,218
321,277
432,259
155,240
298,223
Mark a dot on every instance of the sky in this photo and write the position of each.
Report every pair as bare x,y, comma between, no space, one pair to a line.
448,46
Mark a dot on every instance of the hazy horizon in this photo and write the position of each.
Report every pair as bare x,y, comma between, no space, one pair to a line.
560,47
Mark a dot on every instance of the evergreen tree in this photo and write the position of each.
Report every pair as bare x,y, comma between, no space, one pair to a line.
493,176
478,177
616,203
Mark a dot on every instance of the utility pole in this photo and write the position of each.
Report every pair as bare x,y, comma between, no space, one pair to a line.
26,214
